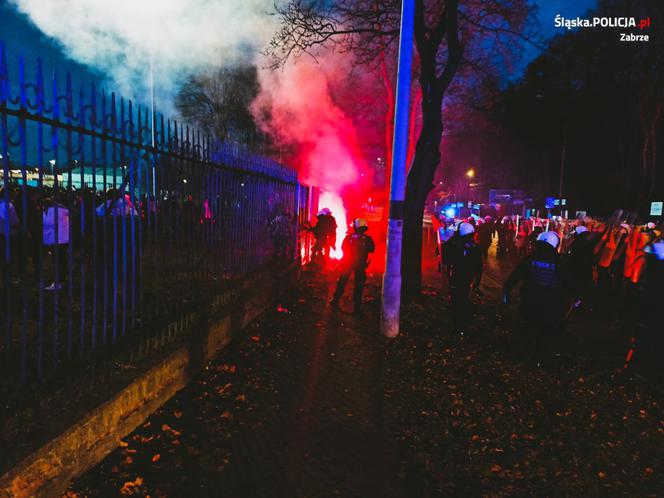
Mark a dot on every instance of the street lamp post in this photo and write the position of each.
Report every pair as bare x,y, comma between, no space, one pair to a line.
562,170
391,297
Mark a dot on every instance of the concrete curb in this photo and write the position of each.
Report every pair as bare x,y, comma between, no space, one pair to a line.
49,470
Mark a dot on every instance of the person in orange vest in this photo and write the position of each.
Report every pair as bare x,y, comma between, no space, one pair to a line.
634,255
520,238
618,263
606,250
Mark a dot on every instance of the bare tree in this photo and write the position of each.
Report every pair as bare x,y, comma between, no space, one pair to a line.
451,37
218,102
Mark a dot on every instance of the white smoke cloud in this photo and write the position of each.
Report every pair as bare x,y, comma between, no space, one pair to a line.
122,37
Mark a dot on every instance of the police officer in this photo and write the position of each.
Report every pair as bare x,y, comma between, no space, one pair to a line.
544,293
325,233
484,237
581,259
650,339
356,248
465,260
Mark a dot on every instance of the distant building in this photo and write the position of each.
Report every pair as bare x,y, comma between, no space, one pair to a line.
510,201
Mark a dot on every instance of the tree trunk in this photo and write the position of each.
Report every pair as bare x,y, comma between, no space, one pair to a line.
418,186
427,152
413,128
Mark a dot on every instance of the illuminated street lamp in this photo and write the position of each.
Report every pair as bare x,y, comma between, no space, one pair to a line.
470,173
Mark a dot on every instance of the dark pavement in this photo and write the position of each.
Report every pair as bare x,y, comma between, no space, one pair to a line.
309,402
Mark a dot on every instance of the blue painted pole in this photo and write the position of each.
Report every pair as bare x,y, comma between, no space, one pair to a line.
391,298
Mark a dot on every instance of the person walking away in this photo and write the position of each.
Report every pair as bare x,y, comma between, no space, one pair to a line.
328,232
56,239
325,233
581,258
635,256
445,233
649,347
356,248
618,264
532,236
638,263
606,250
280,231
9,225
545,290
484,231
521,238
35,222
465,260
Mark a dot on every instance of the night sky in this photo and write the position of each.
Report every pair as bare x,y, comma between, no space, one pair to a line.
21,37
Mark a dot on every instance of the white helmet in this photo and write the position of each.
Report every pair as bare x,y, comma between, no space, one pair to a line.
359,223
580,229
550,238
324,212
466,229
650,225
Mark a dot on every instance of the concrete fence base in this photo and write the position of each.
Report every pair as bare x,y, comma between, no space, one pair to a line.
49,470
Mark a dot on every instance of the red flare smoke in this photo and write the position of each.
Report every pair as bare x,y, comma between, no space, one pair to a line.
296,107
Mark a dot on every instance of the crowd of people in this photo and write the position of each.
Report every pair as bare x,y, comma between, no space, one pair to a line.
562,265
39,226
39,223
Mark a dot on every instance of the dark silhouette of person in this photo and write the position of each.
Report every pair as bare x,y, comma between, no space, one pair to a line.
356,248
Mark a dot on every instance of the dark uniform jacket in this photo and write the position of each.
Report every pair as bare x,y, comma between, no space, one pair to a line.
545,283
356,248
581,258
465,260
326,230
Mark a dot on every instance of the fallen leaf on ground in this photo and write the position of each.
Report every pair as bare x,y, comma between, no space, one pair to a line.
168,428
131,487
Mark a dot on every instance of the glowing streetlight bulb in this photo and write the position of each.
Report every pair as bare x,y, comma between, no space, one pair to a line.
470,173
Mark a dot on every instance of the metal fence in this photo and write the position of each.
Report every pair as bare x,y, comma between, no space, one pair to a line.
111,215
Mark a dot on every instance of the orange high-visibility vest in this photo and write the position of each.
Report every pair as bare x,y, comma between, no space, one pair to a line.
630,253
635,256
609,249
